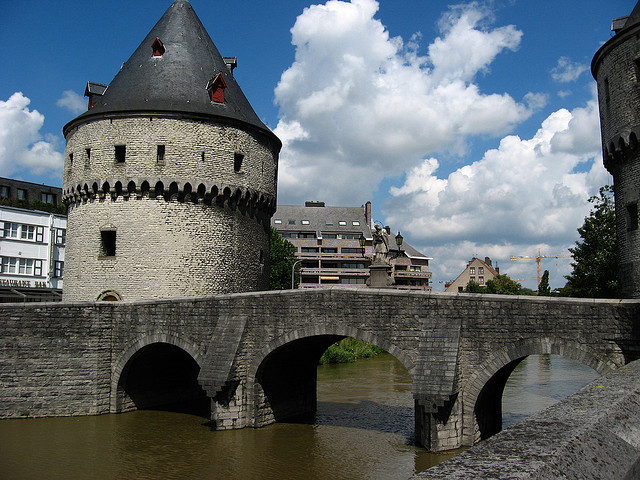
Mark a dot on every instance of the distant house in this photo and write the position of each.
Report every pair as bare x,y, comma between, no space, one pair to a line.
480,271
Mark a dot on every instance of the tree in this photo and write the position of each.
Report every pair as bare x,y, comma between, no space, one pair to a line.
503,285
544,289
595,264
474,287
282,256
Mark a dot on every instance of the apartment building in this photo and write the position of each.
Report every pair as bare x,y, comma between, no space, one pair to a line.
32,243
334,247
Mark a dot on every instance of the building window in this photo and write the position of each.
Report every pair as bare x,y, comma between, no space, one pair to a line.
4,192
480,270
481,280
415,268
350,250
330,236
305,222
87,157
160,154
157,47
9,265
22,194
329,222
71,159
355,223
308,249
37,268
472,270
216,87
27,232
329,250
48,198
39,234
107,243
10,230
472,279
120,153
61,236
237,162
342,223
292,222
277,221
25,266
58,270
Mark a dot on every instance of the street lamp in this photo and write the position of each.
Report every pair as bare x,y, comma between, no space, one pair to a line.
293,273
398,252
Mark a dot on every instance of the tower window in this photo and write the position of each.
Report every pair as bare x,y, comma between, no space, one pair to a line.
87,157
121,153
107,243
70,159
160,154
237,162
216,87
632,217
607,94
157,47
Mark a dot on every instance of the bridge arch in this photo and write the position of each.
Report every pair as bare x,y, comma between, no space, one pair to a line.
167,341
282,377
482,394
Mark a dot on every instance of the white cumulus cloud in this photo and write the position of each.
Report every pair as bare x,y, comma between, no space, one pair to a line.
567,70
72,102
358,105
527,192
21,144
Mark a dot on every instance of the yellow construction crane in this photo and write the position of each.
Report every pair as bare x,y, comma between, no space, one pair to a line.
537,259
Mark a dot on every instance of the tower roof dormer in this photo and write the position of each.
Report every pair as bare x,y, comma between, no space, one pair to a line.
170,72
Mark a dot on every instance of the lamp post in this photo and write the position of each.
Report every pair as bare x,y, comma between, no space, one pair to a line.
293,273
398,252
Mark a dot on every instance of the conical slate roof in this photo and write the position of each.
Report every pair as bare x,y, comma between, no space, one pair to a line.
176,81
634,17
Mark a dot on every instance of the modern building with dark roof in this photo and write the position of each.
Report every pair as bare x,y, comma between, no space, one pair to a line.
168,175
329,241
477,270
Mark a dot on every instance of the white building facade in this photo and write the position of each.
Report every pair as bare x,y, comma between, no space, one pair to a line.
32,247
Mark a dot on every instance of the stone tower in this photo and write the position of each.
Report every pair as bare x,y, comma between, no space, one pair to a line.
616,68
170,176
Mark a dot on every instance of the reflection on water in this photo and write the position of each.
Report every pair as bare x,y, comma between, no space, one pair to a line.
538,382
363,430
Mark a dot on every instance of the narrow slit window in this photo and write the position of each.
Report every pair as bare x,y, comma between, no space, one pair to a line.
70,159
160,154
108,243
632,217
87,158
121,153
237,162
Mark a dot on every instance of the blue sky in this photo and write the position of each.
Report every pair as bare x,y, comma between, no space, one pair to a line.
471,126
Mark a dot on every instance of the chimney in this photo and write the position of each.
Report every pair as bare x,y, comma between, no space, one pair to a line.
231,63
313,204
487,260
367,213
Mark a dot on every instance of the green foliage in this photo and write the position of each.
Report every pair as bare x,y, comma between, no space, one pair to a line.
595,265
349,350
544,289
35,205
282,256
501,285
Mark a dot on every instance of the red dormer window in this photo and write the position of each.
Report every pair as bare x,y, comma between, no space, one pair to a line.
92,90
158,48
216,87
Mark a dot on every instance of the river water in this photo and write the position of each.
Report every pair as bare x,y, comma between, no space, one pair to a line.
363,430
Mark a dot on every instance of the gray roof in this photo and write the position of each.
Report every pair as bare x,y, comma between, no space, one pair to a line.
327,219
321,219
634,17
175,82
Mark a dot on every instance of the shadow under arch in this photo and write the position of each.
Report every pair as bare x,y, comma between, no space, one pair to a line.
159,371
482,395
282,377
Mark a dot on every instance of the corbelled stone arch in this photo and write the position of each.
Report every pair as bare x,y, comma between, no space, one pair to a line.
503,361
139,343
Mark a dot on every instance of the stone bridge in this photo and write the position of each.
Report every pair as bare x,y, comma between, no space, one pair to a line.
250,359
